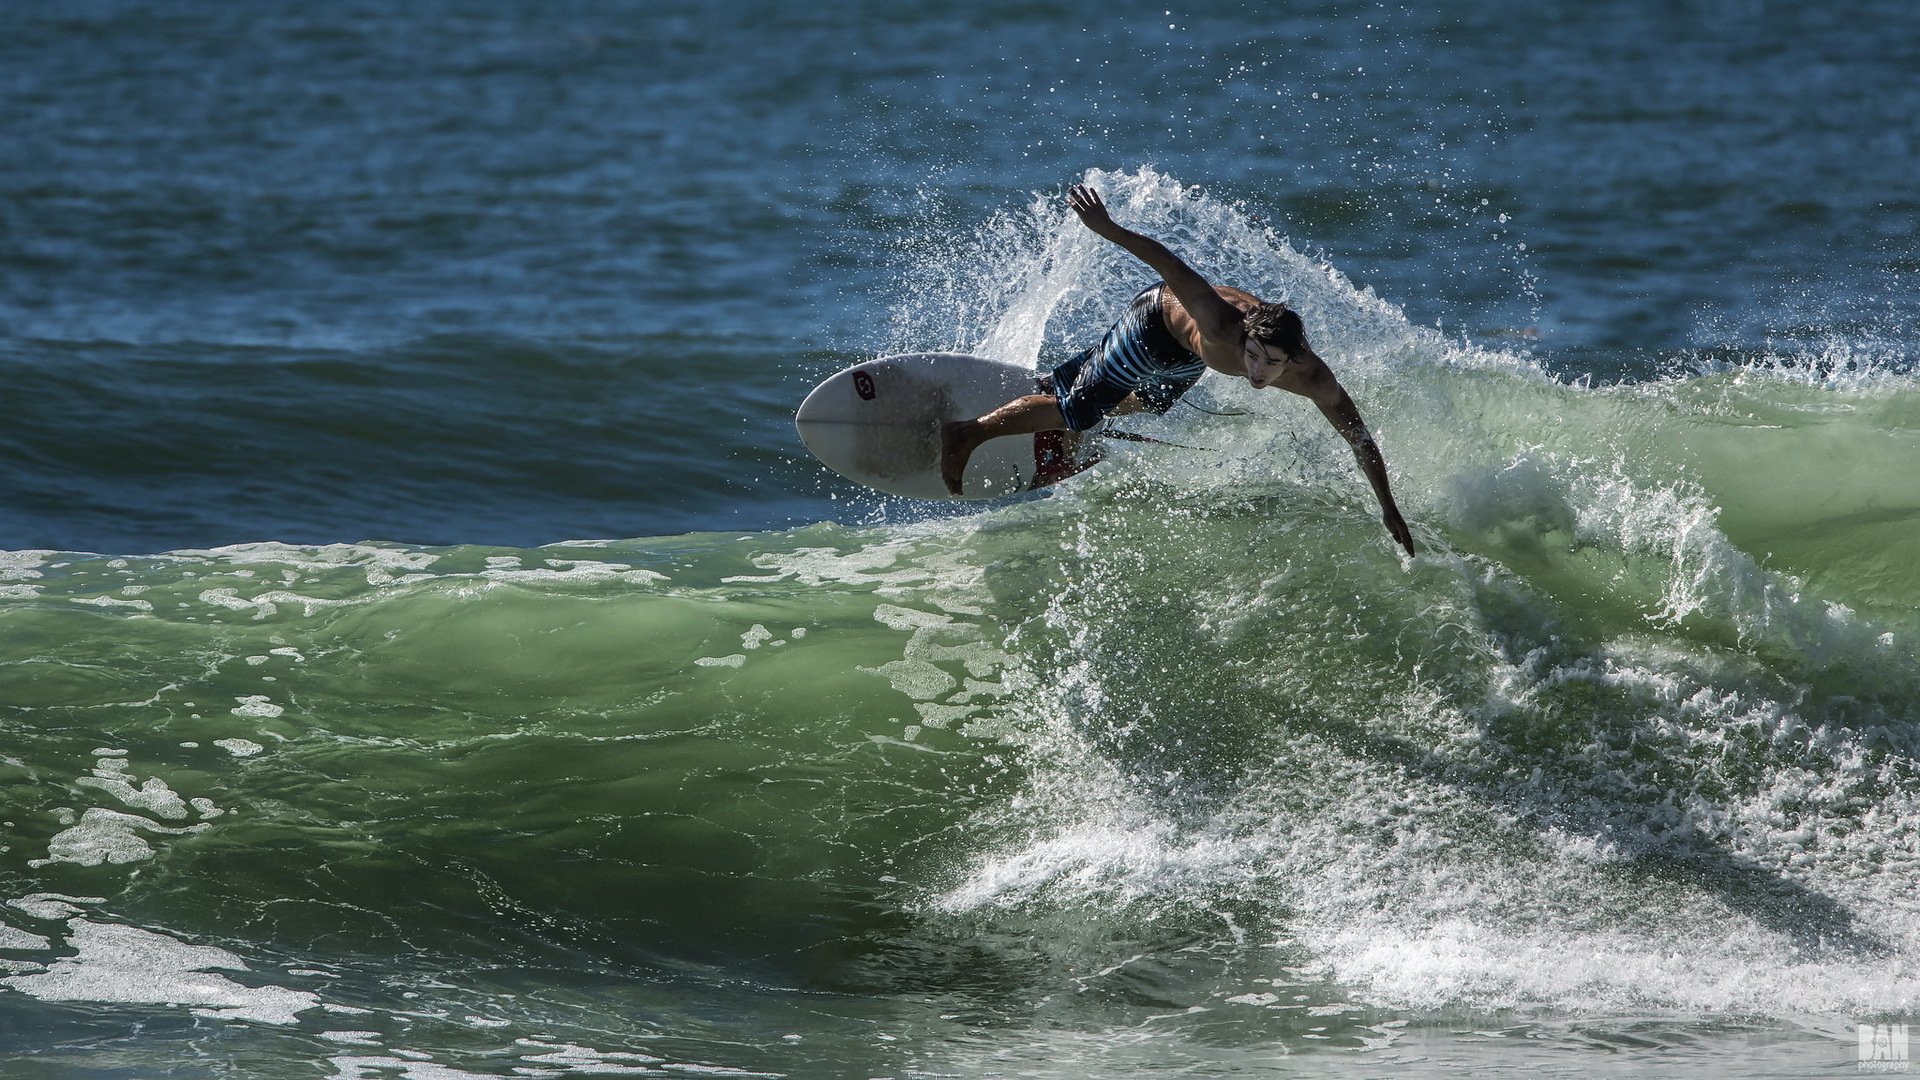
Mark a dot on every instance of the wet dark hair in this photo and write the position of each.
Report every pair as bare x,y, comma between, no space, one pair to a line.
1277,326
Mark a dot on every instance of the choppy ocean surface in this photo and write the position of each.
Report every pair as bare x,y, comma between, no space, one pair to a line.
426,651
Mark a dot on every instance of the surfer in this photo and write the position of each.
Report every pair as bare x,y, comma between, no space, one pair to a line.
1171,333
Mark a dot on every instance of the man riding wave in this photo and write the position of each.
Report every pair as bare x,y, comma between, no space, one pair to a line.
1169,335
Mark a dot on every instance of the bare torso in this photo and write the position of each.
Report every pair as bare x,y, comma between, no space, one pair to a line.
1302,377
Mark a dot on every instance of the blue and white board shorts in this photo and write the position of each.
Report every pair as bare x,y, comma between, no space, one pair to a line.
1138,355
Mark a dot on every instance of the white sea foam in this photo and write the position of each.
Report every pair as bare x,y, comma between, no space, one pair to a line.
353,1038
15,938
1588,723
871,564
537,1058
107,836
385,1068
23,565
112,602
1729,972
53,905
256,705
267,604
384,560
572,572
115,964
575,1056
153,796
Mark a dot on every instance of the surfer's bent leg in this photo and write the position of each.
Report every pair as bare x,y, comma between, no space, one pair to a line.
1084,392
1021,416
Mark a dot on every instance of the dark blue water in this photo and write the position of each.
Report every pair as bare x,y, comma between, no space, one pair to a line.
388,303
309,274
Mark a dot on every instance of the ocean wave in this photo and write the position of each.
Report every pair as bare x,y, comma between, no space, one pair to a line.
1636,730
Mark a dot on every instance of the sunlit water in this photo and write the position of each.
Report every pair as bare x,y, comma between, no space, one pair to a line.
426,652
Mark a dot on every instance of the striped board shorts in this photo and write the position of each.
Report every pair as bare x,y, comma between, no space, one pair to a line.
1138,355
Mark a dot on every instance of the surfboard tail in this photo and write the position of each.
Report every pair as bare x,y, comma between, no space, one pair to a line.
1056,456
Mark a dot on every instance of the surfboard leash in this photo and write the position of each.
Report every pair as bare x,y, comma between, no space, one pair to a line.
1133,436
1211,412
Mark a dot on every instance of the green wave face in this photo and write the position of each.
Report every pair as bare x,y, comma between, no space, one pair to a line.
1189,735
1184,749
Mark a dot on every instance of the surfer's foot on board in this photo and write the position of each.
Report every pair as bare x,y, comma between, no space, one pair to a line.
957,444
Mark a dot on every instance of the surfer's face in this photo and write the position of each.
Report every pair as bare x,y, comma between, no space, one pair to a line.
1264,362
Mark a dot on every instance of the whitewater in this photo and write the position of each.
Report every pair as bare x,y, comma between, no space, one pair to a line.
1181,766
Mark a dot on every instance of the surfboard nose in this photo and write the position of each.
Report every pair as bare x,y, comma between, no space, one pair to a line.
879,422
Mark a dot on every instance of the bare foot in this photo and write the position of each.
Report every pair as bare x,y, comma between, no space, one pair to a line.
955,448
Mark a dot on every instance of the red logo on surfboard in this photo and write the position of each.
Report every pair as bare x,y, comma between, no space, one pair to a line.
863,384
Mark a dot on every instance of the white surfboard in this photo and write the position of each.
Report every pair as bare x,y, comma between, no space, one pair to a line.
878,423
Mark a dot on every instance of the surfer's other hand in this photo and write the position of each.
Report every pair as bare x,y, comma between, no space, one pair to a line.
1092,212
1397,527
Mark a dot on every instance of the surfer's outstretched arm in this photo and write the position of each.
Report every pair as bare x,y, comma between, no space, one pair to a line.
1217,319
1340,411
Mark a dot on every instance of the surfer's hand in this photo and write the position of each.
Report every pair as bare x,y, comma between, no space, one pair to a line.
1092,212
1397,527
